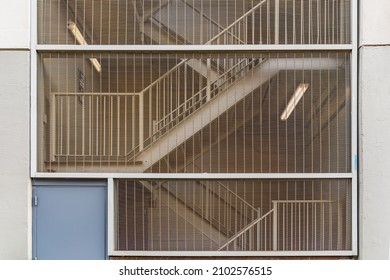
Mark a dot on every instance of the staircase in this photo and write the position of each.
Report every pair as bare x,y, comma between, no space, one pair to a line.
216,212
210,209
164,196
215,204
219,77
164,133
290,225
205,106
210,215
220,94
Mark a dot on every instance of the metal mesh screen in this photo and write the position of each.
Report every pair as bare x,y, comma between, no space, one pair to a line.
187,22
232,215
182,113
203,112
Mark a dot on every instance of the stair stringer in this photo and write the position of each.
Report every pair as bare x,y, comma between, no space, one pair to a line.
225,100
152,31
184,212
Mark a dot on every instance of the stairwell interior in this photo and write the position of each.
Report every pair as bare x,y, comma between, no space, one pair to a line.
204,112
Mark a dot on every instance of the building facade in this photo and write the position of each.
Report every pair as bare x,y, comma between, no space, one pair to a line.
191,128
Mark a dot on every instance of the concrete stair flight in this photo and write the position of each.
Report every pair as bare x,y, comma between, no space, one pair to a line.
174,132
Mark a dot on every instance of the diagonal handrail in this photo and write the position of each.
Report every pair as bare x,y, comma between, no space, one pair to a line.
245,229
194,103
227,201
206,228
216,89
274,210
236,21
207,43
238,197
242,206
149,15
217,86
211,20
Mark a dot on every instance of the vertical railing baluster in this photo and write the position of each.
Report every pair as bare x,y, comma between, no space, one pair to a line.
141,122
275,226
53,124
277,8
258,239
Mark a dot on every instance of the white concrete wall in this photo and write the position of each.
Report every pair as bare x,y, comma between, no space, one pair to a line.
14,155
374,129
15,183
374,22
14,24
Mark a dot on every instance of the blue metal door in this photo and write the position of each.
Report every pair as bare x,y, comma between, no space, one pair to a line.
69,220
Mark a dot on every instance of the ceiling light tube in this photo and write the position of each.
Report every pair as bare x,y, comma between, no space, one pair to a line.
301,89
81,40
96,64
76,33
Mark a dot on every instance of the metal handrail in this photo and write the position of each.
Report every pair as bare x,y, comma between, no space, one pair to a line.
273,210
200,92
183,110
241,206
180,113
211,20
155,10
242,231
172,70
236,21
207,43
164,126
239,197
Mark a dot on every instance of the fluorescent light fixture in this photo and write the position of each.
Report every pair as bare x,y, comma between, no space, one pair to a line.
96,64
76,33
301,89
81,40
